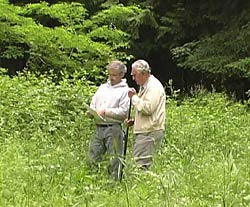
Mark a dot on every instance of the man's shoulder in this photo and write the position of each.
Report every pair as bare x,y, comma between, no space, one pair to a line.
154,81
123,84
104,85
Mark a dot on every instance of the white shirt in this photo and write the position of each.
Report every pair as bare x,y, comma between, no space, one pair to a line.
114,99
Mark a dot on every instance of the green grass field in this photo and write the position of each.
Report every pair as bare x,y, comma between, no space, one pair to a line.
44,136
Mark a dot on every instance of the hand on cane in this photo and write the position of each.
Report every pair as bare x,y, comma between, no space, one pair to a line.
129,122
131,92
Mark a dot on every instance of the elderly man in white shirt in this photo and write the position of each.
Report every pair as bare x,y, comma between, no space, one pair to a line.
111,102
150,113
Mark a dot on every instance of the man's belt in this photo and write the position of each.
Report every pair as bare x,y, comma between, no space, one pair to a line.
106,125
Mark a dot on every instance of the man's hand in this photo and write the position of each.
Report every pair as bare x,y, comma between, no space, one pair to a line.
129,122
131,92
101,112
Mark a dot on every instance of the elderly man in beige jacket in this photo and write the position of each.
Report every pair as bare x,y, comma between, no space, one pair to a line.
150,113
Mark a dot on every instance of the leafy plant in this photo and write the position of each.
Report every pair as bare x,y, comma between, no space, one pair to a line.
44,140
71,15
59,52
222,55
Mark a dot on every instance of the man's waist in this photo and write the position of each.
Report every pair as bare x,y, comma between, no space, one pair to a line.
143,129
108,125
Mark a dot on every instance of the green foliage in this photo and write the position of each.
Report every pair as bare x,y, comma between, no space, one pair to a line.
71,54
240,67
127,19
44,141
205,136
125,22
207,36
64,51
3,71
44,105
71,15
134,20
117,39
39,118
222,54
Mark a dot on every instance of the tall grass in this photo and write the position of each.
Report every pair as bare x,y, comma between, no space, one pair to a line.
44,140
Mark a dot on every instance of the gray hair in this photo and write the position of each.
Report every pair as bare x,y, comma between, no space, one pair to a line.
142,66
118,65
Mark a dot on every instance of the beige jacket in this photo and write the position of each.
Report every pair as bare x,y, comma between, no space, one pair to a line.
150,107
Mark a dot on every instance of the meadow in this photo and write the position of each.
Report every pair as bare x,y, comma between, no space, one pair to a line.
44,137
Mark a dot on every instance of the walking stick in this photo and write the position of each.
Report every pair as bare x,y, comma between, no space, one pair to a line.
125,143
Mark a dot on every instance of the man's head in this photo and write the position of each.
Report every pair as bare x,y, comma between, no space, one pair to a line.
140,71
116,71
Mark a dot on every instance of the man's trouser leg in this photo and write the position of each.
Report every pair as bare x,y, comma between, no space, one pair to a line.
146,145
97,146
114,145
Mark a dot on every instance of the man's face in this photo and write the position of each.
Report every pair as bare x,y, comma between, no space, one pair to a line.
114,76
138,76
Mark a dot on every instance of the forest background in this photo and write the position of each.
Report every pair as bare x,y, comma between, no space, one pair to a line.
204,42
53,56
